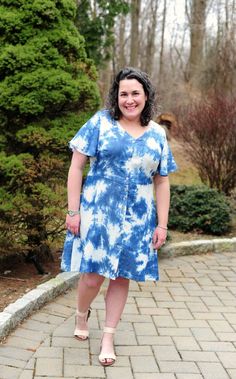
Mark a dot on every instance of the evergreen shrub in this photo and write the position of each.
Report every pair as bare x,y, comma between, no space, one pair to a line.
47,91
199,208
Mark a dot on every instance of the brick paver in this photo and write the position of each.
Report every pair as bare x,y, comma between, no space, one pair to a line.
183,327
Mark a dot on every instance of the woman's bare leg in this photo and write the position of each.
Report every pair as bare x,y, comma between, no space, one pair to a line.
116,298
88,288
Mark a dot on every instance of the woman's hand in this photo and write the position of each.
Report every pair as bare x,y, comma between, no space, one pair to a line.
73,224
159,237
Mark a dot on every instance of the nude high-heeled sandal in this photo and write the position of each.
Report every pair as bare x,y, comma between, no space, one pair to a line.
103,357
80,334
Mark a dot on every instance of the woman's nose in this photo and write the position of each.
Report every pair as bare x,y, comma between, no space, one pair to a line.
130,99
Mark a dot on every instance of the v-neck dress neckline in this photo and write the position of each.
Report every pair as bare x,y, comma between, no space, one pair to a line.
148,127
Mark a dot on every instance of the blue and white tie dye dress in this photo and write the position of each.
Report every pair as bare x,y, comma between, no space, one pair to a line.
118,213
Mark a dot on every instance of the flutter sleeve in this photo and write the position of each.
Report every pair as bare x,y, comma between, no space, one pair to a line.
86,139
167,163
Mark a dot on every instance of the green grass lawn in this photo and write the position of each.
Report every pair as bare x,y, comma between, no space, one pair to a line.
187,174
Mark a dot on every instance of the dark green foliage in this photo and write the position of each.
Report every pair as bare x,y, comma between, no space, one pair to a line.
95,21
199,208
47,91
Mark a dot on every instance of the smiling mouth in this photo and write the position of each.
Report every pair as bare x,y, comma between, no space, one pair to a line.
131,108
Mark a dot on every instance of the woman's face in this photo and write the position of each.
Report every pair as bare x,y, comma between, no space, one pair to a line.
131,99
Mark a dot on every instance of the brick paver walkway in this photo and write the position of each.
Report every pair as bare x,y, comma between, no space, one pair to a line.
183,327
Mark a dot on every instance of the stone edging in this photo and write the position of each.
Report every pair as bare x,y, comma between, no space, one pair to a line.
16,312
198,247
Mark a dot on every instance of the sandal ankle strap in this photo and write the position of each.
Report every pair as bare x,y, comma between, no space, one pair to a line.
83,314
107,329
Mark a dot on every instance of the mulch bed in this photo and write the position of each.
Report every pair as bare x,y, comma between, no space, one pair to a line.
18,277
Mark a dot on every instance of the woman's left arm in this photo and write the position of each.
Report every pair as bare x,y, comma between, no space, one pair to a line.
162,192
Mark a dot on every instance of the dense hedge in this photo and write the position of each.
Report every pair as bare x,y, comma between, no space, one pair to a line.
199,208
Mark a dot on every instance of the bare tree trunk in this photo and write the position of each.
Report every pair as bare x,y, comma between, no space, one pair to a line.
121,58
151,33
106,75
223,79
162,41
135,14
226,20
145,15
197,32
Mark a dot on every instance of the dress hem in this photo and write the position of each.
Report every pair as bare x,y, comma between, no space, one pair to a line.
119,276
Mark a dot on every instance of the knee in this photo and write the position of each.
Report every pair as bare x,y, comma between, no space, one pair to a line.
93,280
123,282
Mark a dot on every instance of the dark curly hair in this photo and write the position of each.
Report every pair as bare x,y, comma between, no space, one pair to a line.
133,73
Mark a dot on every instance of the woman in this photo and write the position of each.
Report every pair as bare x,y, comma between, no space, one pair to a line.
112,227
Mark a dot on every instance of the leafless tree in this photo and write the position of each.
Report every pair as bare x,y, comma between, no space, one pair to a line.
122,42
207,130
188,51
161,63
134,48
197,20
151,36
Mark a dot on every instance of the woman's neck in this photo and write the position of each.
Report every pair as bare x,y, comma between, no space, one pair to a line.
130,123
134,128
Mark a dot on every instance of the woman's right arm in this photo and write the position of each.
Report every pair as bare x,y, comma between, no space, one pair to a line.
74,185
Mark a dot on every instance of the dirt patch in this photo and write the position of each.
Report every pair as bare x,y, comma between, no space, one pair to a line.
18,277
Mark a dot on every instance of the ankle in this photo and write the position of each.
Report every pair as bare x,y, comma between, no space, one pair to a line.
109,330
108,335
84,313
81,314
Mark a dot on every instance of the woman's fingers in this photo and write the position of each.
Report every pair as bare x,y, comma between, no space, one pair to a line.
73,224
159,238
74,231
